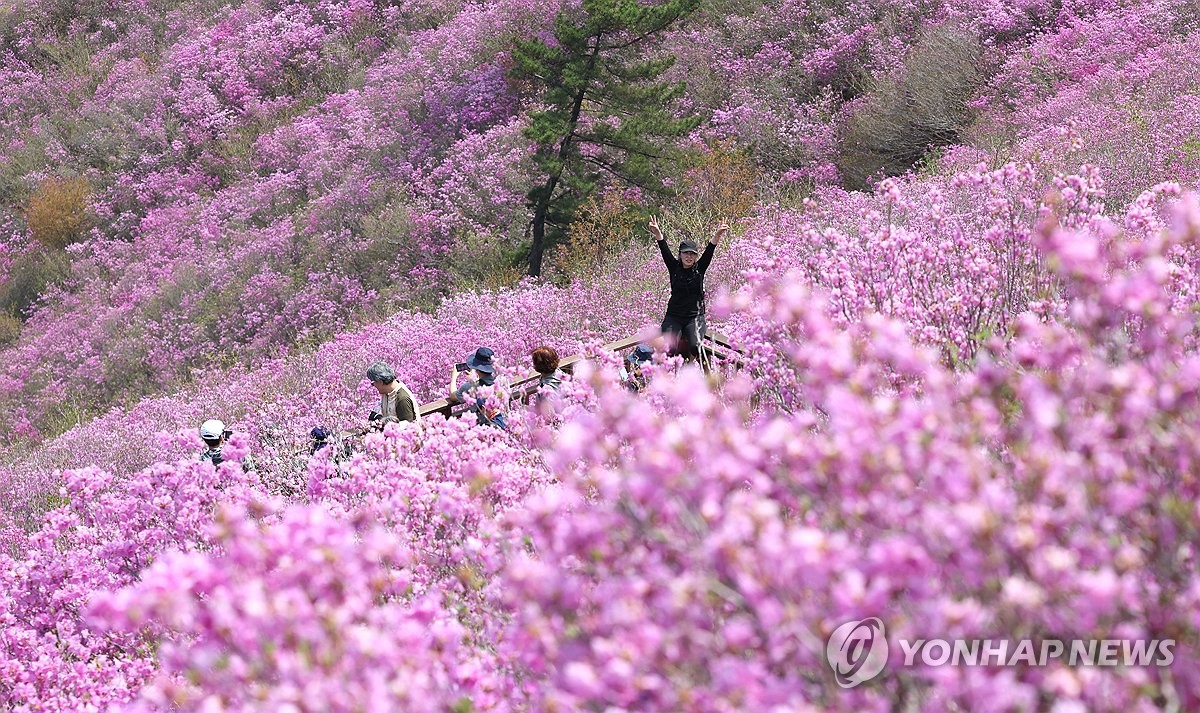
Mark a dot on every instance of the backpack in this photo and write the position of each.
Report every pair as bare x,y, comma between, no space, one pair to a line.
492,417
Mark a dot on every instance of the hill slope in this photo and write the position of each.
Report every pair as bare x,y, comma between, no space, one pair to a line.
969,409
189,186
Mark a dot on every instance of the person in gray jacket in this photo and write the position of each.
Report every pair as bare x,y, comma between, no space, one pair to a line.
545,363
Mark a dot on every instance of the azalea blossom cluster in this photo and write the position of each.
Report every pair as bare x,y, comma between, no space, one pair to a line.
690,547
952,258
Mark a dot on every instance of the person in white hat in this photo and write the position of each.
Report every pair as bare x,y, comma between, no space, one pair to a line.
214,434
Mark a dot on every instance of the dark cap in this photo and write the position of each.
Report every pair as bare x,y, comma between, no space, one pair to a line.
641,354
481,360
688,246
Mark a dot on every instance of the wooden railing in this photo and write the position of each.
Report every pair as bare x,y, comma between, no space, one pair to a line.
714,344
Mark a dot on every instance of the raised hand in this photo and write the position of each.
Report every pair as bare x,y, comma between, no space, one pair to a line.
722,229
654,229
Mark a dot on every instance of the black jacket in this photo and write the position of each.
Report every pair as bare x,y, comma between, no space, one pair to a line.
687,285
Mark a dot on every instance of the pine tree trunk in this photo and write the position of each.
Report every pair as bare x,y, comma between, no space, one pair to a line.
539,240
542,208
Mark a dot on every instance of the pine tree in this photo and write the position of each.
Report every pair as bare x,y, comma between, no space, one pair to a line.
602,109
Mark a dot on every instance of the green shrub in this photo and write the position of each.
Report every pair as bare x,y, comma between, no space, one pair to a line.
485,262
907,115
381,241
17,164
57,212
31,273
718,186
10,328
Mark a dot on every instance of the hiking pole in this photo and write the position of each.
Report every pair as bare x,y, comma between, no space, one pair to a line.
701,348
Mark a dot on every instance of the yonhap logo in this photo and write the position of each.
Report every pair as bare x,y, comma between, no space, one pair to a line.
857,651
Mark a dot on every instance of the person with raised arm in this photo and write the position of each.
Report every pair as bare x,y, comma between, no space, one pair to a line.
684,320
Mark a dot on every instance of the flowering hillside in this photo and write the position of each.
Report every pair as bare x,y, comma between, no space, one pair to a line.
968,406
188,185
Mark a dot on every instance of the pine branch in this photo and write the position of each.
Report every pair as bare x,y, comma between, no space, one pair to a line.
618,173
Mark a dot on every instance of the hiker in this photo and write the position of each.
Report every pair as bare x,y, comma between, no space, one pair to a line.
396,401
632,375
215,436
478,370
319,438
545,363
684,320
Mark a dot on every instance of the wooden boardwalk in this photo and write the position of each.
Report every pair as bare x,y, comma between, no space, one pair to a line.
715,344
